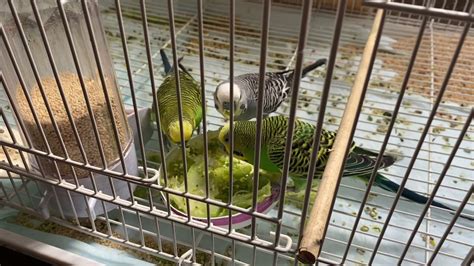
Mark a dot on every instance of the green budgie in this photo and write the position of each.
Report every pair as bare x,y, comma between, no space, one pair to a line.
360,162
168,102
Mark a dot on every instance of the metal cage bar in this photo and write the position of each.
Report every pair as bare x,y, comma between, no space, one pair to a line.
387,136
438,183
427,11
425,132
313,237
194,28
303,35
319,127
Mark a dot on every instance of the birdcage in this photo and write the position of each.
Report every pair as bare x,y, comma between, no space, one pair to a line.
85,151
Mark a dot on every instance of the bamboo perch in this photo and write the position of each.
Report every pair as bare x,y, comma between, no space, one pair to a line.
315,229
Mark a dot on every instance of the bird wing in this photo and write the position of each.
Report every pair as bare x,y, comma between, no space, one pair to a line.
277,89
359,161
301,149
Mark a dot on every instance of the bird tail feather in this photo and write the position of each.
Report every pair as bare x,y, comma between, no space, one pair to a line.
313,66
166,62
389,185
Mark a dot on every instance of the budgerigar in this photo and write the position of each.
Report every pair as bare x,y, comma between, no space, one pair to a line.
360,162
168,103
276,89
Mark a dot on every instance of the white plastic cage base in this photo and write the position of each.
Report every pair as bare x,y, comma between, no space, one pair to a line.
41,251
78,205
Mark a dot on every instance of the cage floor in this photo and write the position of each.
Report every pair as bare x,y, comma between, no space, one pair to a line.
390,65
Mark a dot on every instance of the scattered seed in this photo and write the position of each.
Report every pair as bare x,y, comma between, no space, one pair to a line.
437,130
388,114
382,128
429,239
360,251
376,228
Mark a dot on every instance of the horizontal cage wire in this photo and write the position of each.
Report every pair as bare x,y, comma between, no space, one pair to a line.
88,154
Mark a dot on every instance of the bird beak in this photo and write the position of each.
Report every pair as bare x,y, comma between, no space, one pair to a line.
226,114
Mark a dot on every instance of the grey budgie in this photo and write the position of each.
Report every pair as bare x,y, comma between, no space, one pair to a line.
277,88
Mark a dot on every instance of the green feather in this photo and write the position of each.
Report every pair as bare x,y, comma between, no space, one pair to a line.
360,163
167,102
274,134
190,99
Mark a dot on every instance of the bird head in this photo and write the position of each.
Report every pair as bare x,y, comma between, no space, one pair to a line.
222,99
175,134
224,138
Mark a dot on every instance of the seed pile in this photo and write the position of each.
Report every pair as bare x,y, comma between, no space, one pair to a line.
78,108
11,154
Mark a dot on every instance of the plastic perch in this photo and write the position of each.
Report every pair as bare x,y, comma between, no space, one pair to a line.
315,229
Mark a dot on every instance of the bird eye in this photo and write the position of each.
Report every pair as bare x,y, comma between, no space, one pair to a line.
226,138
242,107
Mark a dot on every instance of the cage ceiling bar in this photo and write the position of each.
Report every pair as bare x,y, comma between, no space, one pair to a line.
425,11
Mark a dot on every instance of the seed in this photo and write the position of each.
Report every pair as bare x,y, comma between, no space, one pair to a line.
360,251
79,112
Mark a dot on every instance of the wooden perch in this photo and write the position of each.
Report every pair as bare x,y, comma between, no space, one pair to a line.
314,232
